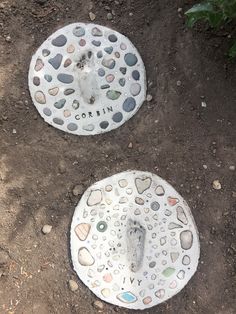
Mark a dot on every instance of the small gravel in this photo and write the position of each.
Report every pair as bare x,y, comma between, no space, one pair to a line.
46,229
73,285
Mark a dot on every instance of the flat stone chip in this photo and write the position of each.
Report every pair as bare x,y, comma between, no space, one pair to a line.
134,241
94,67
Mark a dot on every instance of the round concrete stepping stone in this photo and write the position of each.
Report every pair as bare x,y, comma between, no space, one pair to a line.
94,67
134,241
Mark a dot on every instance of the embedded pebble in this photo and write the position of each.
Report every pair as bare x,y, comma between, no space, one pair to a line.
39,65
36,81
48,77
78,190
135,75
70,49
135,89
160,190
53,91
216,185
109,63
47,112
79,31
56,61
130,59
65,78
84,257
59,41
110,78
92,16
73,285
117,117
129,104
40,97
82,42
46,229
60,104
186,239
142,184
67,63
69,91
82,230
181,215
105,86
122,82
123,70
58,121
108,50
96,43
112,38
96,32
45,52
94,198
101,72
113,94
104,124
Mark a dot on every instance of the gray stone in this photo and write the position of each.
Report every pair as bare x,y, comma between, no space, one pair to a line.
65,78
72,127
117,117
40,97
109,16
59,41
155,206
135,75
96,43
108,50
104,124
48,77
69,91
99,54
47,112
130,59
135,89
96,32
101,72
129,104
36,81
45,52
112,38
58,121
105,86
79,31
60,104
56,61
122,82
123,70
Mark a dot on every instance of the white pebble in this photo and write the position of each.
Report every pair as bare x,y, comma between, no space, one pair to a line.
149,97
78,190
73,285
92,16
216,185
204,166
46,229
232,168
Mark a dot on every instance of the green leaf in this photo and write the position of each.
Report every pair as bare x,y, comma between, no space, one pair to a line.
232,51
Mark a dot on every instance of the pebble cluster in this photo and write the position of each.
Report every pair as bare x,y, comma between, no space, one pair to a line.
87,79
134,242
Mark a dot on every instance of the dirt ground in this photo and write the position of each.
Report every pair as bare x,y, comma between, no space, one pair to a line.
174,136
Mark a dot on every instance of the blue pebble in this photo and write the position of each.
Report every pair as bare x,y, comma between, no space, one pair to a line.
56,61
129,104
117,117
104,124
60,41
112,38
65,78
135,75
130,59
101,72
96,43
108,50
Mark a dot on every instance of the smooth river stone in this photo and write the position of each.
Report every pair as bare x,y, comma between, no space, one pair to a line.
84,257
142,184
79,31
101,72
129,104
67,114
72,127
117,117
110,78
99,54
122,82
127,297
172,201
109,63
53,91
69,91
159,190
112,38
123,46
173,225
174,256
108,50
123,183
48,77
155,206
58,121
39,65
123,70
147,300
60,104
59,41
65,78
75,104
82,231
130,59
105,86
186,260
135,75
94,198
186,239
104,124
47,112
135,89
56,61
36,81
181,215
160,293
96,43
96,32
40,97
113,94
70,49
45,52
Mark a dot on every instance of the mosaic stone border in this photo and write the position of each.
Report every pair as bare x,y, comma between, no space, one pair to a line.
134,241
87,79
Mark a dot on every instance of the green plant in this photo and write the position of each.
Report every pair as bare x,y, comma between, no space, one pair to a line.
216,13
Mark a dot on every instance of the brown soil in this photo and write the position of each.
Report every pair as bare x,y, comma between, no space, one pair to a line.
173,136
